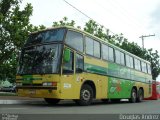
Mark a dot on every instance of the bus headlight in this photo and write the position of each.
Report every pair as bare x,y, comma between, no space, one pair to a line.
49,84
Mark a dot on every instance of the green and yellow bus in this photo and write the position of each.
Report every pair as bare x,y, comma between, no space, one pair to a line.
67,63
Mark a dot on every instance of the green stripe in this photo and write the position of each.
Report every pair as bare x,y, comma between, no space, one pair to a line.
27,79
115,71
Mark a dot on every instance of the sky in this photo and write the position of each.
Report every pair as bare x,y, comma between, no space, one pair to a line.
132,18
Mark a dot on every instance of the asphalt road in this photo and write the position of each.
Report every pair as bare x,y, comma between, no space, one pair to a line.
11,105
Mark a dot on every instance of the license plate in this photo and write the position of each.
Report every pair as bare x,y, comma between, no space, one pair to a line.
32,91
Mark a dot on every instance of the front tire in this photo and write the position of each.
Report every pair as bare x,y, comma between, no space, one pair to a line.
86,96
52,101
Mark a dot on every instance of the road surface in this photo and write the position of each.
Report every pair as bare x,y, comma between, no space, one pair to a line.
18,108
38,106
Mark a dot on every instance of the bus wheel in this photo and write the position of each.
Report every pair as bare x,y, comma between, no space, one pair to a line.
140,95
133,96
86,95
52,101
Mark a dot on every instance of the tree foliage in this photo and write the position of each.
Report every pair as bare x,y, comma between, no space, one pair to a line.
14,29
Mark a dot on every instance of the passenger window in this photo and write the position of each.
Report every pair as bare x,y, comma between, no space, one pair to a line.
118,57
131,62
96,49
122,59
79,63
68,67
89,46
104,52
75,40
149,68
111,54
128,61
137,64
92,47
144,67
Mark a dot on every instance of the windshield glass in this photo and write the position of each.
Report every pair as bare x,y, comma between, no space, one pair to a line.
47,36
40,59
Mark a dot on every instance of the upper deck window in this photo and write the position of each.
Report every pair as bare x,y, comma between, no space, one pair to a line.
92,47
105,52
149,68
75,40
111,54
137,64
129,61
144,67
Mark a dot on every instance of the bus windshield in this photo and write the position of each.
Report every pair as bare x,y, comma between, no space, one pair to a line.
43,59
46,36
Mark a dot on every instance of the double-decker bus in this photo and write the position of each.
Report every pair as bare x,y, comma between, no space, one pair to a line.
67,63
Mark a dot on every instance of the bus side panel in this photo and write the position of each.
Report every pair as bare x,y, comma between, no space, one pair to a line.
119,88
97,71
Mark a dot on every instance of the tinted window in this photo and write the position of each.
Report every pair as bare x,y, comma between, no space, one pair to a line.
75,40
96,49
149,68
92,47
46,36
111,54
79,63
118,57
89,46
144,67
128,61
137,64
131,62
122,58
104,52
40,59
68,67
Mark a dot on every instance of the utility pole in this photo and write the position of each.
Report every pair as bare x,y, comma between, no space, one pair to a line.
143,39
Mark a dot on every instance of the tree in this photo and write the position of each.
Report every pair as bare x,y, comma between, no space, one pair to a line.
14,29
64,22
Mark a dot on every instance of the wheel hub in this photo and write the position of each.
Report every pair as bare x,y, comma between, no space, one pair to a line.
86,95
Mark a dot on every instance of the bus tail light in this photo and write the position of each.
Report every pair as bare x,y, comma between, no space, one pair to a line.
50,84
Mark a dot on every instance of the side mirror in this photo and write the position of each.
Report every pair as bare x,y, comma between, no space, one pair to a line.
66,56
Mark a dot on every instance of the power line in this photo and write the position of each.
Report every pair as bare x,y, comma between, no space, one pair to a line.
86,15
123,12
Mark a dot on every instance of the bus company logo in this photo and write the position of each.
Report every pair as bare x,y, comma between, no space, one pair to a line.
9,117
115,86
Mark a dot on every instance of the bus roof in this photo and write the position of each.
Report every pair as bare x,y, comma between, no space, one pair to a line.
94,37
